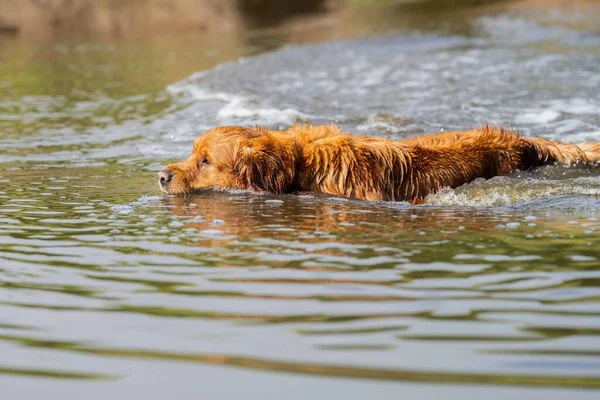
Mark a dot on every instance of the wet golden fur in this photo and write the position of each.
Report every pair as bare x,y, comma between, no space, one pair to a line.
324,159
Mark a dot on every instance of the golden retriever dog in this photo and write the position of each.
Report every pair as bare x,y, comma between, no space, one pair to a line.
323,159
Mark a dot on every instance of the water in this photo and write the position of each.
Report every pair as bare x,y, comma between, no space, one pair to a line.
109,287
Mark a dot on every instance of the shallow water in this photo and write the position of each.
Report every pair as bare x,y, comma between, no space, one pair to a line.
107,286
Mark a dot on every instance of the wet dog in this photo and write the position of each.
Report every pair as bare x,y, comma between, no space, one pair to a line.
324,159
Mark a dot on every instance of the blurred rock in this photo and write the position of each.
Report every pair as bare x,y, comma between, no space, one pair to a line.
114,18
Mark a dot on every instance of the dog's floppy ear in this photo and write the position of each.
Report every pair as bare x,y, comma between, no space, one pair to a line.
267,163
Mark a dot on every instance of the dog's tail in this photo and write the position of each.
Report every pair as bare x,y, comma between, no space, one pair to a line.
538,152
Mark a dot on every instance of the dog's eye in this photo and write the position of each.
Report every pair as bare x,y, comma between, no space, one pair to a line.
204,161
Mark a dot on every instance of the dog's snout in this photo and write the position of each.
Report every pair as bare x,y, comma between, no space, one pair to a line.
165,176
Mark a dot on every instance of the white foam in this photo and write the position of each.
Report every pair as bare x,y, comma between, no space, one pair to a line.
576,106
537,117
274,201
587,136
122,209
382,122
241,108
196,92
146,200
244,109
512,191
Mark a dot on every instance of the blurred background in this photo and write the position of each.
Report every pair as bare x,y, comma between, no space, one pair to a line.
118,19
107,287
169,39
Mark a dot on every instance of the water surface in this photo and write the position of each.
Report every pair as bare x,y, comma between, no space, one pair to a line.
488,290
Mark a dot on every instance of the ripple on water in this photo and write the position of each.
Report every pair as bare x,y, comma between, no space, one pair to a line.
328,287
495,282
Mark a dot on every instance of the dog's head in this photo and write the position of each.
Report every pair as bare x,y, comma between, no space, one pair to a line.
235,157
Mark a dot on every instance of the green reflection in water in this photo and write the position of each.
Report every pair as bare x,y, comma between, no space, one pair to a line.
54,374
318,369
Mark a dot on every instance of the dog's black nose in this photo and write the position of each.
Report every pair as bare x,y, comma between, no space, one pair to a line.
165,176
